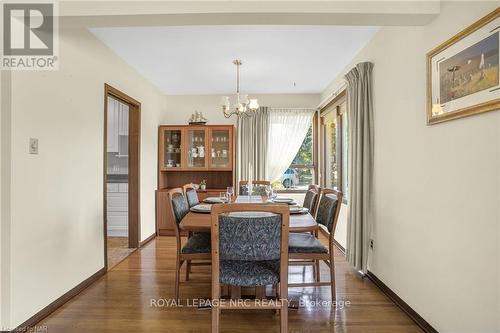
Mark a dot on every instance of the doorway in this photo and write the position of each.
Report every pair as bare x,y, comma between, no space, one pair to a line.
122,118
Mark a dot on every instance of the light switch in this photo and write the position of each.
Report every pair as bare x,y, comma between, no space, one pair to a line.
33,146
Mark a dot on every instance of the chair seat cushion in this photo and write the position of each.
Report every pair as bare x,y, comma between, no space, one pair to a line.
249,273
199,242
305,243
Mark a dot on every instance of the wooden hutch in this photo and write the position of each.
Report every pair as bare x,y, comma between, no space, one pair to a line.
190,154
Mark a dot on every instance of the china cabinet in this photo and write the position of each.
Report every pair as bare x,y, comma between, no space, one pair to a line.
190,154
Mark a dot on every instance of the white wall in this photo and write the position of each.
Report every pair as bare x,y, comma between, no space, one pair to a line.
1,196
437,187
56,196
5,100
180,107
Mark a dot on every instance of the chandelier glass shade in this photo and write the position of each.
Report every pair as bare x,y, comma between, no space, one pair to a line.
244,107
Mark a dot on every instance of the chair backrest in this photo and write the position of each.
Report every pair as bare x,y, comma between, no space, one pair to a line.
191,194
246,239
179,204
329,209
259,187
312,198
256,236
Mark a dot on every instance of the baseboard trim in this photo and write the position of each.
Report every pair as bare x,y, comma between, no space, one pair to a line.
40,315
147,240
421,322
45,312
337,244
340,247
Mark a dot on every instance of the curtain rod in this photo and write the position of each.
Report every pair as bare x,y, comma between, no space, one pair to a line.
332,96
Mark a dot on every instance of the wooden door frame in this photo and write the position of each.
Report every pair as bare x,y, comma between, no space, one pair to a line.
134,153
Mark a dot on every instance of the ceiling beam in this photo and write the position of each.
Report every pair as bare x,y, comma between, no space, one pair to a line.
160,13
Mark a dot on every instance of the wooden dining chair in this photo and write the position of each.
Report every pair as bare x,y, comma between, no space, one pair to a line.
311,199
306,249
197,246
191,194
259,187
250,251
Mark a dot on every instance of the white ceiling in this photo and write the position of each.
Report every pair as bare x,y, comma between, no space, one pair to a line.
197,60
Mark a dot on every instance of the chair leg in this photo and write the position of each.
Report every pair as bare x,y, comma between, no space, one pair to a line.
317,276
284,319
284,313
277,296
260,292
188,269
215,319
177,274
332,275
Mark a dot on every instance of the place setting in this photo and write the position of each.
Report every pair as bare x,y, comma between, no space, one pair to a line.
298,210
206,206
273,197
215,200
286,200
201,208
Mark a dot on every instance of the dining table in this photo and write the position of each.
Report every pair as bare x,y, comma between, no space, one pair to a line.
201,222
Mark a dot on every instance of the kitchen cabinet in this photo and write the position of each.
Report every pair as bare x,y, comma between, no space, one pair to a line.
117,127
113,123
123,119
117,209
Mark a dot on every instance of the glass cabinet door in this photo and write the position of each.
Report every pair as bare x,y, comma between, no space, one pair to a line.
196,145
172,148
221,149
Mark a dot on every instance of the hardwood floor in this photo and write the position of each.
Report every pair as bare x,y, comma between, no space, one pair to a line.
121,302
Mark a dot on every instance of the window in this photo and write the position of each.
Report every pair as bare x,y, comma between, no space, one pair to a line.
302,172
334,143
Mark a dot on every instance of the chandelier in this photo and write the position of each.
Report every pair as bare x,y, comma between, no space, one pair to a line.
244,106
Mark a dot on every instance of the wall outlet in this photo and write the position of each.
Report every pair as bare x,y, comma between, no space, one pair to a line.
371,244
33,146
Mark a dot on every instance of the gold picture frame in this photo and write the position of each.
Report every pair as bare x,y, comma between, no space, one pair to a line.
460,82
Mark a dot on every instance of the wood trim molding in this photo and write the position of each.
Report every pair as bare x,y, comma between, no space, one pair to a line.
340,247
335,242
421,322
134,216
338,99
40,315
147,240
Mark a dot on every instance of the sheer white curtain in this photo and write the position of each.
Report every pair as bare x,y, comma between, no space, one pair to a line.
287,130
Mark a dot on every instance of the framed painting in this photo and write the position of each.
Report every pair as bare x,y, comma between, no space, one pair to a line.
463,72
